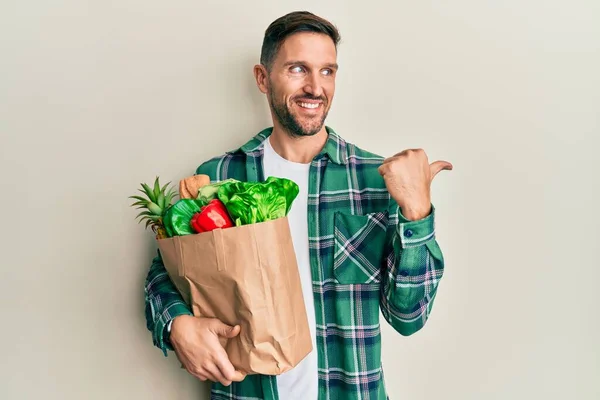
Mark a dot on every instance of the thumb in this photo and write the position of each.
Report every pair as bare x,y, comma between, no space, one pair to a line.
225,330
437,166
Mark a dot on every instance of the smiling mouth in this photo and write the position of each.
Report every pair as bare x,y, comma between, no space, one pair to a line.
309,105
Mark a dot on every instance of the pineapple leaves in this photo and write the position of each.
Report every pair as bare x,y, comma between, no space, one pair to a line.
156,200
149,192
138,198
161,200
165,187
144,214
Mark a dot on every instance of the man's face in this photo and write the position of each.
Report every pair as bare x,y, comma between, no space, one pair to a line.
302,83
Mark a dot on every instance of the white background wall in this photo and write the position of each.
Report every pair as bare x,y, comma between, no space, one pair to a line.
98,96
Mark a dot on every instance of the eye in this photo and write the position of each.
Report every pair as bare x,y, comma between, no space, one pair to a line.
297,69
327,71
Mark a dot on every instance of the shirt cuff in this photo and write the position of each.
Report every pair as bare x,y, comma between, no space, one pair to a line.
416,233
162,336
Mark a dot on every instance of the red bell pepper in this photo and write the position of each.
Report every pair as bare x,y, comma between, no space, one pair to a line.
214,215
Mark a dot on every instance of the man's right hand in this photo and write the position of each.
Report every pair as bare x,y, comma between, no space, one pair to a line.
196,343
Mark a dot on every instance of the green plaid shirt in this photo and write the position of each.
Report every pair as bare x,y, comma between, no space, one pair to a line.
364,255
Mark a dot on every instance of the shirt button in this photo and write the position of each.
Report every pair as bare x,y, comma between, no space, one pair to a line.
408,233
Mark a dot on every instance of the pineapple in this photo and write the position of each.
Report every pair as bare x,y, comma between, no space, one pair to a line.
156,203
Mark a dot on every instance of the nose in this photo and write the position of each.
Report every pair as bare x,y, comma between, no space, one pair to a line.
313,85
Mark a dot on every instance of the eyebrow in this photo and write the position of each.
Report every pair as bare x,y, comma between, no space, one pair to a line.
294,62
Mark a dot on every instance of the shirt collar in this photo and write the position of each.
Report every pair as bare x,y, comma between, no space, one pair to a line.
335,148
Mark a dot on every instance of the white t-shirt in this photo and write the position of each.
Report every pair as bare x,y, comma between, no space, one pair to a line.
301,382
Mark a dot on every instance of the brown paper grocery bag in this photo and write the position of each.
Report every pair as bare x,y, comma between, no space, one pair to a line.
245,276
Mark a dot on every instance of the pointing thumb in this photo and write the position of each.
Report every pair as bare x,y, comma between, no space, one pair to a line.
437,166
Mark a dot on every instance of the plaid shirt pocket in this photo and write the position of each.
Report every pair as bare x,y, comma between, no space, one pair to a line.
358,247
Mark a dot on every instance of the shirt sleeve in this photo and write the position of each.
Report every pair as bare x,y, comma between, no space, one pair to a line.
413,266
162,304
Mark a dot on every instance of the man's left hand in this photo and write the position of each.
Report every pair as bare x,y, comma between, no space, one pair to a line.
408,176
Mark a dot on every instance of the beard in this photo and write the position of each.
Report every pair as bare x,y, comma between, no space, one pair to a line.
291,123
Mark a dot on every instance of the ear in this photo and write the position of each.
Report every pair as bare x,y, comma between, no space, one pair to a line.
262,78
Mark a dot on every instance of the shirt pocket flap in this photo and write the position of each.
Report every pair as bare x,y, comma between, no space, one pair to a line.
359,242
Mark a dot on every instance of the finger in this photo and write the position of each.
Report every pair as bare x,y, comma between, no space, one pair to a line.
224,365
390,159
404,152
199,373
216,373
233,332
227,369
383,169
228,335
222,329
437,166
238,376
207,377
228,374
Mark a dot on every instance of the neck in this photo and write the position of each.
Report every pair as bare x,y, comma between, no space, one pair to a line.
298,149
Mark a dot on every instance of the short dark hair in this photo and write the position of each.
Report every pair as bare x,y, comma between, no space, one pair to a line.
289,24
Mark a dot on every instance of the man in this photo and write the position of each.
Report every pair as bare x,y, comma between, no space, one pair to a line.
362,228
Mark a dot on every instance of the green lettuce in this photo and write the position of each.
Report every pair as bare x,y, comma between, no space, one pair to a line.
177,217
207,193
253,202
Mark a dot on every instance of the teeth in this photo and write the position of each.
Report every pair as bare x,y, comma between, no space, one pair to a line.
309,105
